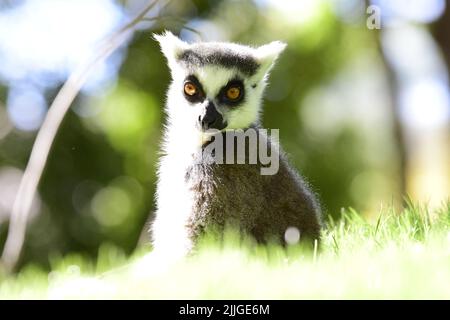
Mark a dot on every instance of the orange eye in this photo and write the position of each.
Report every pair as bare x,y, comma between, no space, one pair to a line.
233,93
190,89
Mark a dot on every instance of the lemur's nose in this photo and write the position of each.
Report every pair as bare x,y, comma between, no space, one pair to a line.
211,118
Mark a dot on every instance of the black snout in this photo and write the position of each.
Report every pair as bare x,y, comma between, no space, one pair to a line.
211,118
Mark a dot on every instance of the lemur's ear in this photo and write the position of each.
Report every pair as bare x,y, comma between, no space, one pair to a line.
171,47
266,56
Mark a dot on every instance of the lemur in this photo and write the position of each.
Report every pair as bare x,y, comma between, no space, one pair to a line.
219,86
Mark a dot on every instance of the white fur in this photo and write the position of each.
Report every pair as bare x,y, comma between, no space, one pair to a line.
268,54
170,47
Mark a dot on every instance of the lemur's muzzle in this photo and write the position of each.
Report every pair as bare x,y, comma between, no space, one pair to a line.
211,118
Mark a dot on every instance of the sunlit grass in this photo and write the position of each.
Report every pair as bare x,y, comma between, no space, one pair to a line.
400,255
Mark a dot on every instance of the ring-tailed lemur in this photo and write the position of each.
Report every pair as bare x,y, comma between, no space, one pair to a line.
220,86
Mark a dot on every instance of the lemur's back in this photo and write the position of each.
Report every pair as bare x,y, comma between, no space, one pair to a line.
263,206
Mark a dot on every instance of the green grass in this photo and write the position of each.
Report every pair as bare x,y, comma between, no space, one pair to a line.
399,255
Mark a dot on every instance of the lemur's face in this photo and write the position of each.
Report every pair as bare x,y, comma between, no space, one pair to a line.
216,85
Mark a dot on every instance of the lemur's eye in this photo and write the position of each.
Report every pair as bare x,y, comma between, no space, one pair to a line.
233,93
190,89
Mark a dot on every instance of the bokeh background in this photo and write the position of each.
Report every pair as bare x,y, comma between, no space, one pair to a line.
364,113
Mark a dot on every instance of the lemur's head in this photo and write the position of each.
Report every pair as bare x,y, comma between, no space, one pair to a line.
216,85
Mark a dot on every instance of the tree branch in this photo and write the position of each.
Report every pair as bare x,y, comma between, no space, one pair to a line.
46,135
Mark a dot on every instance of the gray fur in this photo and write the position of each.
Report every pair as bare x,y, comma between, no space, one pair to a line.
207,54
263,206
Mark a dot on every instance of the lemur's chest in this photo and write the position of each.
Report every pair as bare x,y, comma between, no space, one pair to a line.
224,187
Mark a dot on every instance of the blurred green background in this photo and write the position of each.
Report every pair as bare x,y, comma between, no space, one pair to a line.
362,112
